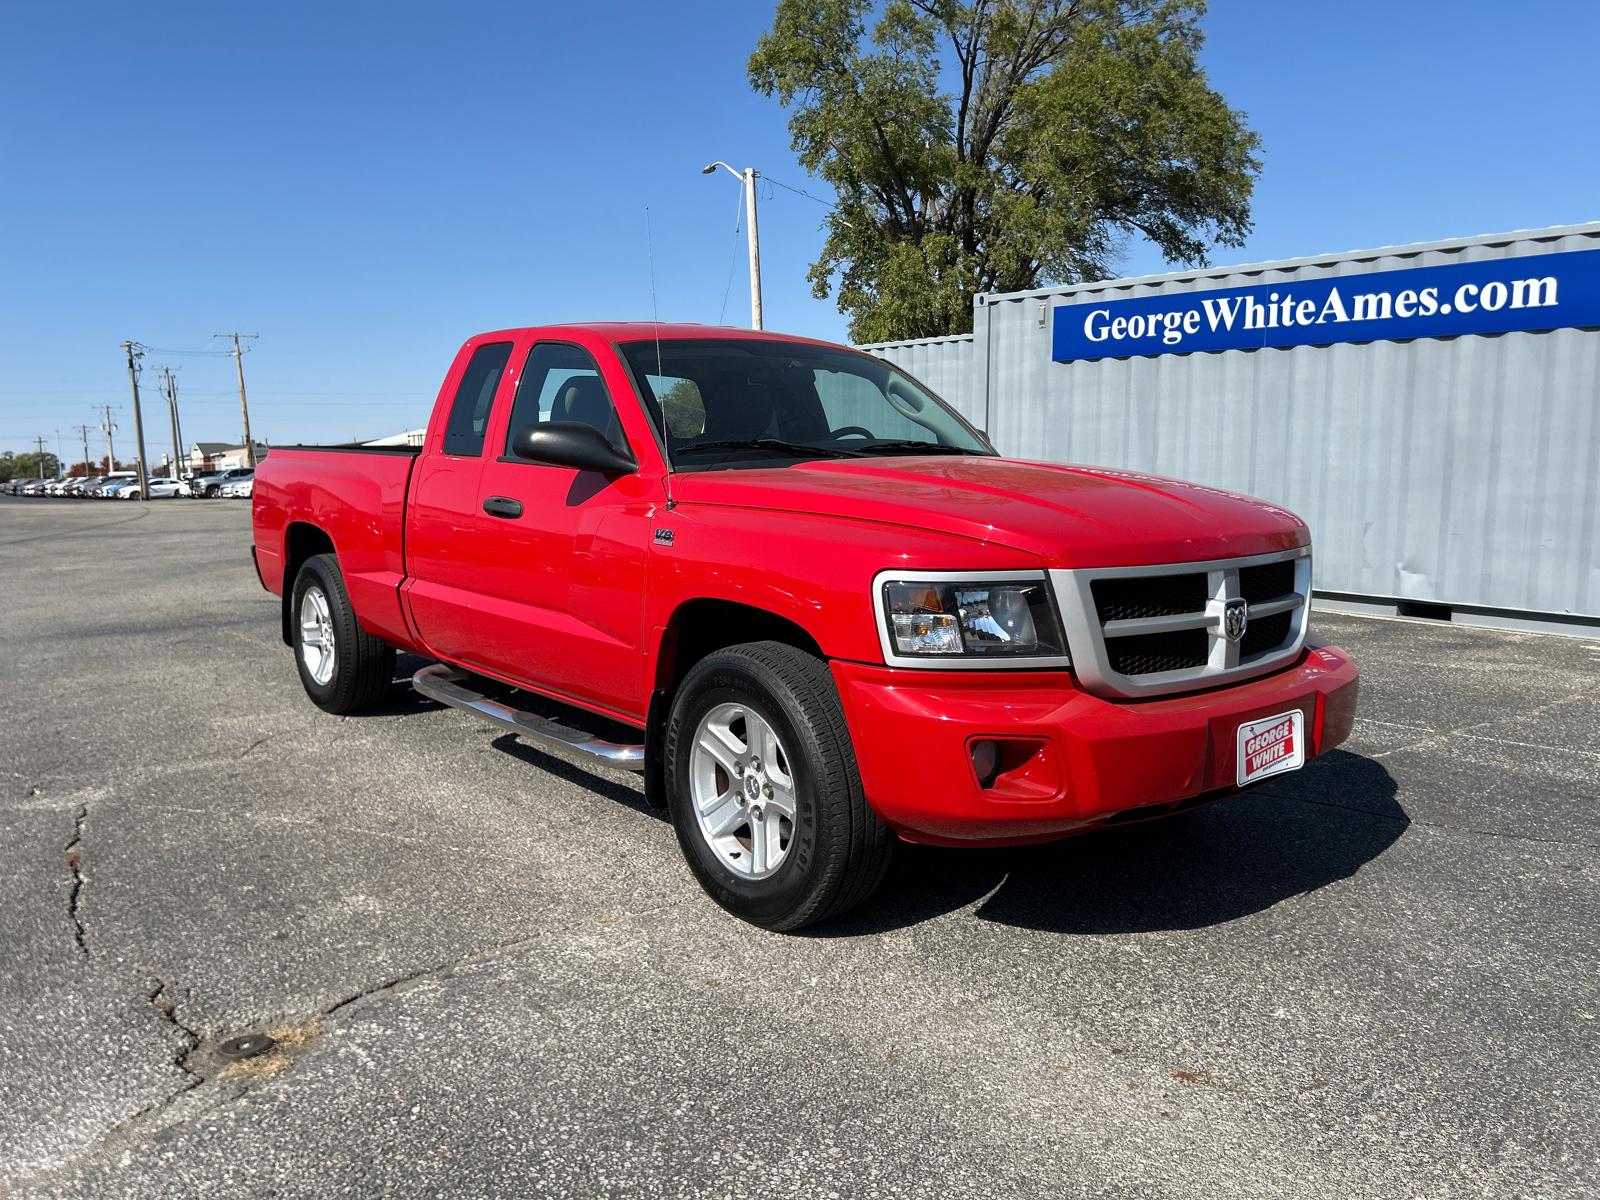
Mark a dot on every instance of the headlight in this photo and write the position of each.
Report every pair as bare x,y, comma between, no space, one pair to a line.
976,619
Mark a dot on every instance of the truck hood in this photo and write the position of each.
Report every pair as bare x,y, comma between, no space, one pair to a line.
1069,516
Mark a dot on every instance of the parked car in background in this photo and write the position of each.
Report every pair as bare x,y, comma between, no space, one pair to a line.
210,485
113,483
160,489
240,486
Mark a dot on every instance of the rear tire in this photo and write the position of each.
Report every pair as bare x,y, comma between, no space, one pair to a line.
343,668
764,791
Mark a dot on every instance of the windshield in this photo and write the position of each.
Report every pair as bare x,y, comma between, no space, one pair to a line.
722,402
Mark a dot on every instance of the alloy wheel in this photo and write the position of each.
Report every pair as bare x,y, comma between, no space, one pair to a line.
316,635
742,786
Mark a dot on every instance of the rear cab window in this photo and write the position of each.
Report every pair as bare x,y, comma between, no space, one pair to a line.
469,412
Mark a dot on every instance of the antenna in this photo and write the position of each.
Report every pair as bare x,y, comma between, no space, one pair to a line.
650,250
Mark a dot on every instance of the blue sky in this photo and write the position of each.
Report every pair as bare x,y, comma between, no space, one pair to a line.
368,185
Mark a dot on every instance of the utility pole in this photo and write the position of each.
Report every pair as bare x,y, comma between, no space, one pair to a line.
84,430
61,463
238,355
749,176
170,386
109,426
136,352
39,441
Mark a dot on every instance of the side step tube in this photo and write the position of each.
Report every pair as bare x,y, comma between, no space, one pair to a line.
441,682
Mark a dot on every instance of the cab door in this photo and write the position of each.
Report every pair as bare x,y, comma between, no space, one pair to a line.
563,550
442,513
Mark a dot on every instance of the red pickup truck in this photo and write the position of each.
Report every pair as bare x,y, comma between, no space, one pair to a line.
827,613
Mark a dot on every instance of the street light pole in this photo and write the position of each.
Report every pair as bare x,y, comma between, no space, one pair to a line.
748,176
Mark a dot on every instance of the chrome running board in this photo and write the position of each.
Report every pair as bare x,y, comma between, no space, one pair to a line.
442,682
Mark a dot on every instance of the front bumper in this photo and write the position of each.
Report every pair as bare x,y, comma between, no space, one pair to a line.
1096,760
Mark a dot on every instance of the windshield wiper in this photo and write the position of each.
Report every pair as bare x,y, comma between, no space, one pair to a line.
912,446
774,444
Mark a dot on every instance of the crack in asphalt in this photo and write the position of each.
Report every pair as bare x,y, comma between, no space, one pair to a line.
133,1130
169,1014
75,861
142,1125
440,970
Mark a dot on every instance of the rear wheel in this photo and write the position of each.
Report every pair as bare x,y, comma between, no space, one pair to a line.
343,668
764,791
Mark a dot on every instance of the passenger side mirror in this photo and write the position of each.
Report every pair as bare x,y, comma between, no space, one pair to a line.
571,444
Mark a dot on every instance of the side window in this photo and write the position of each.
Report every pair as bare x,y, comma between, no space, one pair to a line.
469,415
561,383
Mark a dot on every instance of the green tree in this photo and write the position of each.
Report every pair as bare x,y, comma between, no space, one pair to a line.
1001,145
28,466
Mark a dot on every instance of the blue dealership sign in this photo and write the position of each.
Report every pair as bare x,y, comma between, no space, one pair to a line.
1539,291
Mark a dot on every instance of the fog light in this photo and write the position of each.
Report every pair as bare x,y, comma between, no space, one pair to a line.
986,761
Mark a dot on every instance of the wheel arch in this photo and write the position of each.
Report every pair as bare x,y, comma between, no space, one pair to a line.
704,625
301,540
698,627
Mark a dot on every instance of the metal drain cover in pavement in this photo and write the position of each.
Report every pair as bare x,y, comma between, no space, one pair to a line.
247,1046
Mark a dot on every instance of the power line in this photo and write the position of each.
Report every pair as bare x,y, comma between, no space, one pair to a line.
733,264
206,353
832,205
798,192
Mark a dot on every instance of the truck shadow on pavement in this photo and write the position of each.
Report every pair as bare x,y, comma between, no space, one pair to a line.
403,699
1216,864
1201,868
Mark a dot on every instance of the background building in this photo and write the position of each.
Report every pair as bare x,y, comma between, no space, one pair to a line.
220,456
1437,421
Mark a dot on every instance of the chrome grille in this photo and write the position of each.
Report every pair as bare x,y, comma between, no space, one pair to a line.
1145,631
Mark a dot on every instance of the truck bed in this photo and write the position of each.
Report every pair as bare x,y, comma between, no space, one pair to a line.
355,495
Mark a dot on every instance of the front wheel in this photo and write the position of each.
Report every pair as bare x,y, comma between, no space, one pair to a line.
343,668
764,791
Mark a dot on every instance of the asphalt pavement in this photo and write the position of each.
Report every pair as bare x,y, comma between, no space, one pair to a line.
491,974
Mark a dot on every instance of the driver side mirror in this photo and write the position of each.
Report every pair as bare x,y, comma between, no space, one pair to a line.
571,444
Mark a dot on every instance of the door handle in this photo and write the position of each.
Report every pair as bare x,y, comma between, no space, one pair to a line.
502,506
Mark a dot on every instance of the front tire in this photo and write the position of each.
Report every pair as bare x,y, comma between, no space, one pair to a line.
343,668
764,791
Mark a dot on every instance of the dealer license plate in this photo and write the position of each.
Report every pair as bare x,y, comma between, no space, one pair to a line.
1272,746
